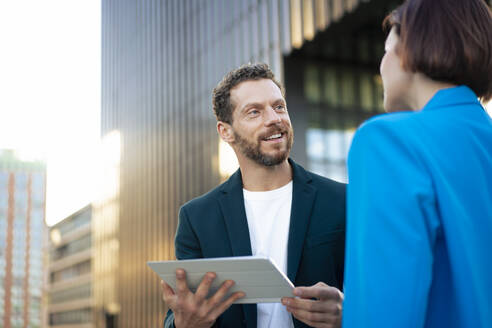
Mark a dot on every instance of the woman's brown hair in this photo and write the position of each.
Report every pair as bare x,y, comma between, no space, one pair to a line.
447,40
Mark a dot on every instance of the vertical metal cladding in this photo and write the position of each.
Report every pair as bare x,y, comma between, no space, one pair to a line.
160,62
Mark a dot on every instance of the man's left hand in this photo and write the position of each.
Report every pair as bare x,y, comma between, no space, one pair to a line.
317,306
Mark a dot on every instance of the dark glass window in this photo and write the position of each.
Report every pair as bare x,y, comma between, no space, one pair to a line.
75,293
71,272
71,317
71,248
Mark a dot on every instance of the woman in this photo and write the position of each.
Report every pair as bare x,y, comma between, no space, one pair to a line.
419,231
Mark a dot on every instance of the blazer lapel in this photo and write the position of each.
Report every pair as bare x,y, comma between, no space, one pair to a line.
303,197
232,205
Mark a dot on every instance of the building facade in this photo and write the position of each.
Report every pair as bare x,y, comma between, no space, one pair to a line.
22,210
160,62
69,291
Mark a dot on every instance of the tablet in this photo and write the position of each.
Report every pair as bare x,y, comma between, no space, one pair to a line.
258,277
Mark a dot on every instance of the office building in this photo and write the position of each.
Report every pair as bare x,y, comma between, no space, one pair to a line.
70,280
22,210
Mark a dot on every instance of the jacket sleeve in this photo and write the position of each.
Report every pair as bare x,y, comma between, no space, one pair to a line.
340,256
186,243
169,320
392,225
187,246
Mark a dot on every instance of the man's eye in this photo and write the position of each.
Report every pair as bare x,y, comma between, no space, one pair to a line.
253,112
280,107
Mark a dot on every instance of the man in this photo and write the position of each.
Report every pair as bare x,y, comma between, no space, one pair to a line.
271,206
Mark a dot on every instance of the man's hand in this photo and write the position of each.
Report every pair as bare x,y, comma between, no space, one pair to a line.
195,310
323,312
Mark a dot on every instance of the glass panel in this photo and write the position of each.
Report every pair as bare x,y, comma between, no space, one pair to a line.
348,88
327,151
316,144
378,83
71,248
70,317
75,293
330,92
366,92
71,272
363,47
75,222
334,145
311,85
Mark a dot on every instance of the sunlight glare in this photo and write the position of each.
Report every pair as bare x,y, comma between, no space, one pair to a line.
50,86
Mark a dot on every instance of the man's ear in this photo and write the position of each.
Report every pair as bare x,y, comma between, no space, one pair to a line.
225,131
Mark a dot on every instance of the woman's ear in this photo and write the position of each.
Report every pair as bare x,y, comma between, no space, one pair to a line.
225,131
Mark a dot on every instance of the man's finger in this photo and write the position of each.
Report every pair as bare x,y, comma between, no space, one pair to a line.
167,293
319,292
204,287
313,319
307,304
221,292
167,290
181,284
222,307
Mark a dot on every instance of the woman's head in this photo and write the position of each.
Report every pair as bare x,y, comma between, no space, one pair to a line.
448,41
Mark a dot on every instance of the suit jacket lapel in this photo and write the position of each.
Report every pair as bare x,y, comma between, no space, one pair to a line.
303,197
232,205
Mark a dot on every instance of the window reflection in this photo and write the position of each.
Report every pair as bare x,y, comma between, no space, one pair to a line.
341,88
327,151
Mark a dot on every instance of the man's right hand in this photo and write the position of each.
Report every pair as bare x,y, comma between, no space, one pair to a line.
196,310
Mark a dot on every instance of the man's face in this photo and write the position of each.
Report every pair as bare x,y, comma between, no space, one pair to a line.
261,124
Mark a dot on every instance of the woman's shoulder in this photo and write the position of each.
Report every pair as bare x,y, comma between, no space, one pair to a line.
394,123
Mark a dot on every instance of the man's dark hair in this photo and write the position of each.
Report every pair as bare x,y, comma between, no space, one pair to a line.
221,96
447,40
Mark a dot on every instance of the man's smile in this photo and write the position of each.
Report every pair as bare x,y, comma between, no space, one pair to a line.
274,138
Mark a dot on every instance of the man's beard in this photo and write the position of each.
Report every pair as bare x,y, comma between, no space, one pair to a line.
252,150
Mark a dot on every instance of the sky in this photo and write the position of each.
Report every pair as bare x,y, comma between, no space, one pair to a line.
50,66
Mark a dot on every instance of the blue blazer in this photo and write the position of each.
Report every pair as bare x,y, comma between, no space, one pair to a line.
215,225
419,224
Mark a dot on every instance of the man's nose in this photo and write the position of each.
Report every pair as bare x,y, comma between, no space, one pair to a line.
272,117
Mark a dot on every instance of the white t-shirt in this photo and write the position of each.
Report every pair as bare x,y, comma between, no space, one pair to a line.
268,214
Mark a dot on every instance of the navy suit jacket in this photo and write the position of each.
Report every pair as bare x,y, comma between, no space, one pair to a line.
215,225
